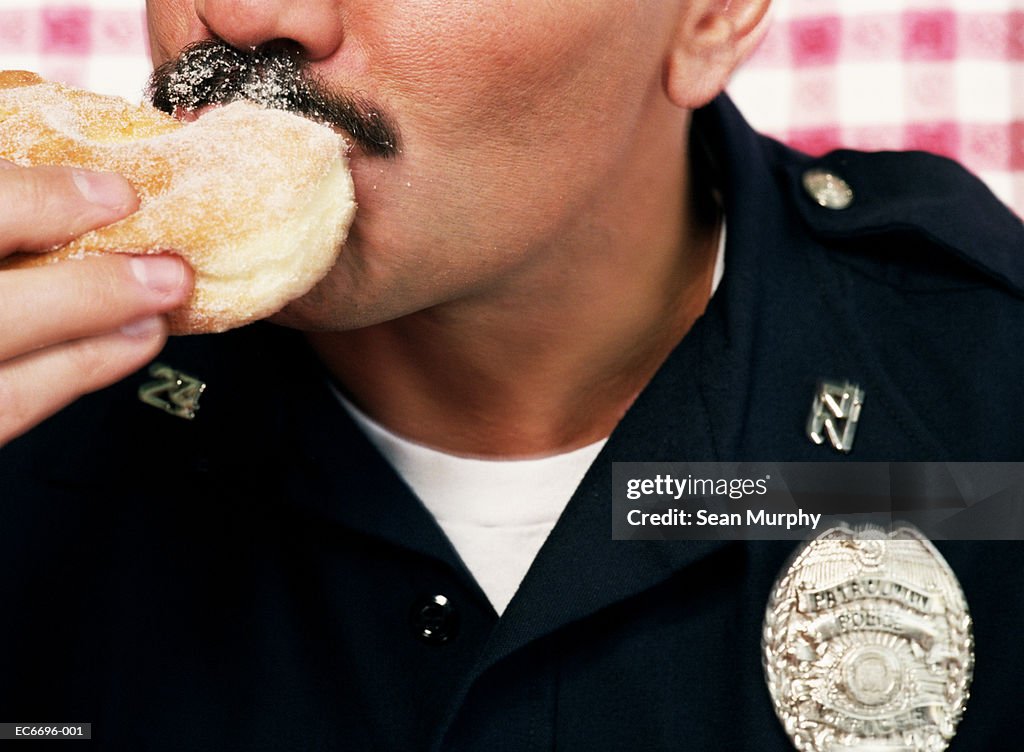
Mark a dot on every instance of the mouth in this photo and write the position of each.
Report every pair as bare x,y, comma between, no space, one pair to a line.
190,116
209,73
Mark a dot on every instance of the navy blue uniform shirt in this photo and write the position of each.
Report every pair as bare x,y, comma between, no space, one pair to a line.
256,579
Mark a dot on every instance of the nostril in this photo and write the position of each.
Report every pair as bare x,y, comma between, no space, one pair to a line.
245,25
313,27
280,47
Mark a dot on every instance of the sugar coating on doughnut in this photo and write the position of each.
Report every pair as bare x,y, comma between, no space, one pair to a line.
258,201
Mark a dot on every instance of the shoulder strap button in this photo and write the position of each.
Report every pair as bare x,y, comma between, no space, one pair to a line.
827,189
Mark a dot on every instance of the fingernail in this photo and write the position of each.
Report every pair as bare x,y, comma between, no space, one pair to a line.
143,328
159,273
103,188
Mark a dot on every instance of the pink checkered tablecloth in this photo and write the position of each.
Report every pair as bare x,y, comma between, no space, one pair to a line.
98,44
945,76
942,75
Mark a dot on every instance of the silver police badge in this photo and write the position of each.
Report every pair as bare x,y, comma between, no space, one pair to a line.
867,644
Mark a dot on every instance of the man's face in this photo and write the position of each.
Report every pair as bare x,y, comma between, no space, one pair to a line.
516,118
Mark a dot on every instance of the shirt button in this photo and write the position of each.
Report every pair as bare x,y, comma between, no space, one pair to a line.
827,189
435,620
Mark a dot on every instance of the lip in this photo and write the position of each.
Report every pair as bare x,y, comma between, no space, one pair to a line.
190,116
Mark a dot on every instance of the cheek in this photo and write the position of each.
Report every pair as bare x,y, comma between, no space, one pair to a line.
504,72
510,124
545,106
516,88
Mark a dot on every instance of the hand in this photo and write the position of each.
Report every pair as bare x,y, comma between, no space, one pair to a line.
76,326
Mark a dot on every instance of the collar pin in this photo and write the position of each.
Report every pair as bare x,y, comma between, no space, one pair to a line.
835,411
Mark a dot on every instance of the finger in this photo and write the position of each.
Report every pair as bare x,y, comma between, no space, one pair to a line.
46,305
35,386
41,207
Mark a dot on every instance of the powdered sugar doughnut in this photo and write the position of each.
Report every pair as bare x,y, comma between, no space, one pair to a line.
258,201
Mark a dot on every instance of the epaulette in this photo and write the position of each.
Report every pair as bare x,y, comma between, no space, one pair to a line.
850,194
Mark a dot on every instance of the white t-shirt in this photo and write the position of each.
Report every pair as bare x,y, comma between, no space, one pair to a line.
496,513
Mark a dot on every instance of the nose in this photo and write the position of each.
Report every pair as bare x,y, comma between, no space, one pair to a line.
315,25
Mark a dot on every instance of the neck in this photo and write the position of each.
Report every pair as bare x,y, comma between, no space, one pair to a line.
550,359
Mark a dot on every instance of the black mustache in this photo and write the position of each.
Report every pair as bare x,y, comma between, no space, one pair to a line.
212,72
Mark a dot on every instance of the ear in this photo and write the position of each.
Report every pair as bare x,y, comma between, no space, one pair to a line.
711,39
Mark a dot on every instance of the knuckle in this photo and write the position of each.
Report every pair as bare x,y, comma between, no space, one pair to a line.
96,362
43,208
98,280
27,197
33,192
32,189
100,288
90,360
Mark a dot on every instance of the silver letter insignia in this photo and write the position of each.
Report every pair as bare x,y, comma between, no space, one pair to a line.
835,411
174,392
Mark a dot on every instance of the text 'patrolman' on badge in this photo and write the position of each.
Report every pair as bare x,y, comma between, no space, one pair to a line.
867,644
